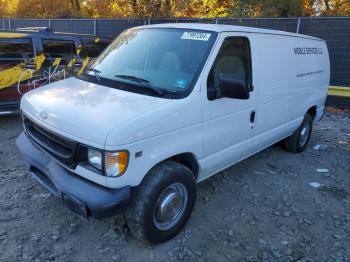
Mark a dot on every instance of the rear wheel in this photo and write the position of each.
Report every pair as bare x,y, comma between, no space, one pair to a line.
299,140
162,203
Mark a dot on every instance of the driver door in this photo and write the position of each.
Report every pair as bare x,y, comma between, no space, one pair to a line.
228,124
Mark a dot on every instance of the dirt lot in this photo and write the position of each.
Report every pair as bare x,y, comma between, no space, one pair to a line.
262,209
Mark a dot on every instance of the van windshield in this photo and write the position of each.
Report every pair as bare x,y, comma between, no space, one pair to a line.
154,61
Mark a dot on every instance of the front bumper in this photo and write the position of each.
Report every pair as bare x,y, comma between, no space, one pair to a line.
77,194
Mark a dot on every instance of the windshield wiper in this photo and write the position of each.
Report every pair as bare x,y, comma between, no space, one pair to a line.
142,82
96,72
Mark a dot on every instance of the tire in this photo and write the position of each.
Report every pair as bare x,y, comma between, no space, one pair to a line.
145,217
298,141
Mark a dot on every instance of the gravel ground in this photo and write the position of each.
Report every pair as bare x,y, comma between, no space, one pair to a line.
262,209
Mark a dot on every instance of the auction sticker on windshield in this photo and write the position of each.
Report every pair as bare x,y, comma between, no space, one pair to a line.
196,36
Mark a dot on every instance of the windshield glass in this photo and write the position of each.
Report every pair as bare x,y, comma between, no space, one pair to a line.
157,61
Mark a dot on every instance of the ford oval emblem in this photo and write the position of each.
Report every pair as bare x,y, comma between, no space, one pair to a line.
43,115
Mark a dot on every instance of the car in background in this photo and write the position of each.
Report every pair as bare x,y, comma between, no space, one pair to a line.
34,56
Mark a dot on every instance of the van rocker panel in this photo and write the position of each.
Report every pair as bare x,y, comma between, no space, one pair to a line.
77,194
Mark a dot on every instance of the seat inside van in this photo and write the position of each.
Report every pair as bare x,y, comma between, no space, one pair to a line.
170,61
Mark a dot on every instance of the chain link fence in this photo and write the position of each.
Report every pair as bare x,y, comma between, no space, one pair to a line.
335,30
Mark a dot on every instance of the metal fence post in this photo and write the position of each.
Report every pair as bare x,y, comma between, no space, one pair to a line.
298,25
50,23
9,23
3,23
95,27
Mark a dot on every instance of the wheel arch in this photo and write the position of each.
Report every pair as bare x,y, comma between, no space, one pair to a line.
187,159
312,111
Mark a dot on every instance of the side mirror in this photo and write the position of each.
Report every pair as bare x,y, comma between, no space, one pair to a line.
233,86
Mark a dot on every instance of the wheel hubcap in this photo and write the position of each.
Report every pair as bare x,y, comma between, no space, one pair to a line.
304,134
170,206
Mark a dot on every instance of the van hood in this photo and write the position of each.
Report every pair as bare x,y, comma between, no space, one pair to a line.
83,111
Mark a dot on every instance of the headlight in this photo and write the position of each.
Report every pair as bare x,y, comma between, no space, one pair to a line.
95,158
116,163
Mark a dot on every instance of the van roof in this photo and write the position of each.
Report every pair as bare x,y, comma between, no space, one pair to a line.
228,28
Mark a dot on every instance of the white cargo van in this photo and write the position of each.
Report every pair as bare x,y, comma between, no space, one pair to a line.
166,106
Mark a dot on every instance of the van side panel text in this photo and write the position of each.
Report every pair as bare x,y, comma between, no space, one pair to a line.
308,51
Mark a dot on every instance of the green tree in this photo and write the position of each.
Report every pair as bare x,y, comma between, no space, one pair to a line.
282,8
8,8
171,8
245,8
334,7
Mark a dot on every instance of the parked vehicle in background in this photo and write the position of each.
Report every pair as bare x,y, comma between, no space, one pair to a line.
33,57
166,106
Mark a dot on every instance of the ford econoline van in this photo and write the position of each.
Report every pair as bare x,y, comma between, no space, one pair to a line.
34,56
165,107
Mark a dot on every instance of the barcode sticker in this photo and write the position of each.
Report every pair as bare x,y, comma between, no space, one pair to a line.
196,36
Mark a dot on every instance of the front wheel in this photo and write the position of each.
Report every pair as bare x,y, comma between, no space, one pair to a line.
299,140
162,203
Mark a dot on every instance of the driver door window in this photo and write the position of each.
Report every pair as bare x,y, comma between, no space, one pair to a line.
233,58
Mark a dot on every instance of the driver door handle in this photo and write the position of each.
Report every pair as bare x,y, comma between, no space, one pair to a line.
252,117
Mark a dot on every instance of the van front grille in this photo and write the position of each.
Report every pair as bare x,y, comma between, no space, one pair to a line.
61,148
